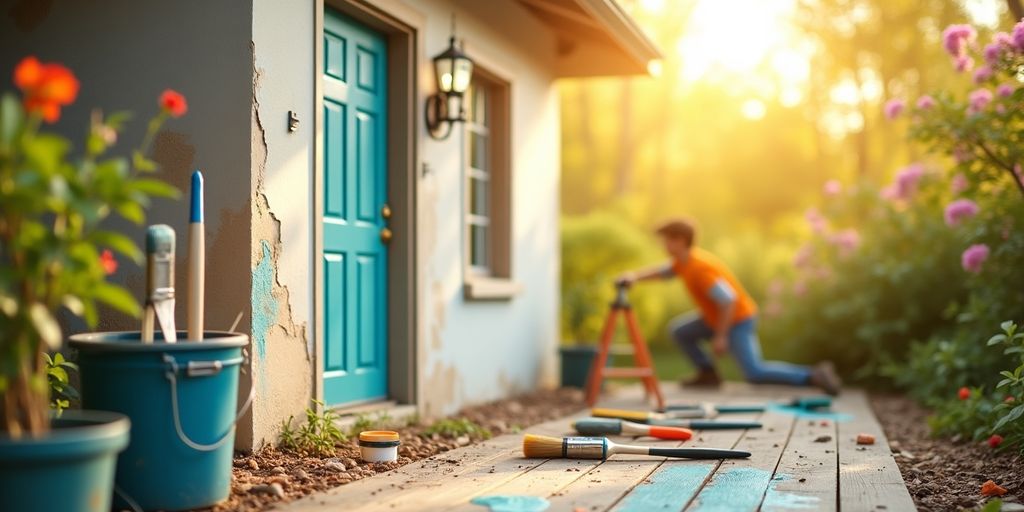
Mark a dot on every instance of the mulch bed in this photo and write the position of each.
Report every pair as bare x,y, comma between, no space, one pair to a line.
941,473
272,476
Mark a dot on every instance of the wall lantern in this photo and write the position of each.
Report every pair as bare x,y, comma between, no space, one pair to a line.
453,70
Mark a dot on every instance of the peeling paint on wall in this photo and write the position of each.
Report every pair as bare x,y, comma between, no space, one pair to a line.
264,306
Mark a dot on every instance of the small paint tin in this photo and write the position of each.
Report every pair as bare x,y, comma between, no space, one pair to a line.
379,445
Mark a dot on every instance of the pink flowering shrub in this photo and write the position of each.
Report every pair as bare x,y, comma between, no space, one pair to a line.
959,210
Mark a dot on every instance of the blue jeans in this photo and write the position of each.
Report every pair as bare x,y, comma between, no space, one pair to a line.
689,330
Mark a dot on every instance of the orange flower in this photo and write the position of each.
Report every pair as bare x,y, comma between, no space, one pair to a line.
990,488
108,262
46,87
173,103
964,393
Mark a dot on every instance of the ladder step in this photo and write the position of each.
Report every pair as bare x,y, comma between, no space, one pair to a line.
616,373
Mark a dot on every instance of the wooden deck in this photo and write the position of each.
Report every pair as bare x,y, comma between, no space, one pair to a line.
798,463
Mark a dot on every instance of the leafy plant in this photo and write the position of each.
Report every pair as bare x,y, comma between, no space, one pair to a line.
54,251
457,427
990,412
317,437
61,390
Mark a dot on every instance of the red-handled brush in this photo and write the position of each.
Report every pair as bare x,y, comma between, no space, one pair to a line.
615,427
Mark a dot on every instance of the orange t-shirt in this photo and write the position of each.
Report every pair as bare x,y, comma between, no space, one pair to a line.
699,273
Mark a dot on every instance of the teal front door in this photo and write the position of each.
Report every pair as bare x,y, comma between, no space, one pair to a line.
354,255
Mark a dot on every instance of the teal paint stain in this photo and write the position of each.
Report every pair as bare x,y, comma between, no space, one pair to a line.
810,414
734,489
512,503
264,307
775,499
669,488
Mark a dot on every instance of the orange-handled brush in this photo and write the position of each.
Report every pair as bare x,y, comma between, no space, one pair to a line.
615,427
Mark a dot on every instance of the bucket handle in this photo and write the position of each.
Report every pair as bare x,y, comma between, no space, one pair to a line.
202,369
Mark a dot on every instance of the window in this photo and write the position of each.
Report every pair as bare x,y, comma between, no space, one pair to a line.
487,194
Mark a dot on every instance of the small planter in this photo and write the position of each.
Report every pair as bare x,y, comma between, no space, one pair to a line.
181,399
71,469
576,363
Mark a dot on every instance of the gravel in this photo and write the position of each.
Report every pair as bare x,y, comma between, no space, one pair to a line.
942,474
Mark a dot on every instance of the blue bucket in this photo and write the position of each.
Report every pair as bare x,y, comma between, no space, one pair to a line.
181,399
71,469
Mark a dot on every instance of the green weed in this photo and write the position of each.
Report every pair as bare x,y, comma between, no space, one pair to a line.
318,436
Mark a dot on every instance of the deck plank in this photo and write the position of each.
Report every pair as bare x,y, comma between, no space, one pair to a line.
674,483
806,475
740,484
868,476
399,489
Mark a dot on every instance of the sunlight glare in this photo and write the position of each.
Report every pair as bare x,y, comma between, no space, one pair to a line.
753,109
747,51
652,5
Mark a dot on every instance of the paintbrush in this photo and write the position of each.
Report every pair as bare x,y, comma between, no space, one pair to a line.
645,416
615,427
197,260
809,403
663,420
543,447
159,284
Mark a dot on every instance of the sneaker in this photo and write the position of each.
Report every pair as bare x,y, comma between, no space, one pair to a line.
824,376
704,378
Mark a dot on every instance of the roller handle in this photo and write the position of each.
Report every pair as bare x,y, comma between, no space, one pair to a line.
699,453
735,409
812,402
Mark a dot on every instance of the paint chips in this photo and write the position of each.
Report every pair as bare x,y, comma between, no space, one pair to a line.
865,439
991,488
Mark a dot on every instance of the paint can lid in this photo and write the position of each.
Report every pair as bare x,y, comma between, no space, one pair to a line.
378,435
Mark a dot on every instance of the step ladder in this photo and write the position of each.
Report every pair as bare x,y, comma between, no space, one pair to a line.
644,369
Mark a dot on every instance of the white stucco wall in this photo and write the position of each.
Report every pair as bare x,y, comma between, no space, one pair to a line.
468,352
478,351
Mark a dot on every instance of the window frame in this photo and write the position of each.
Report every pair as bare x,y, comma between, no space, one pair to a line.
495,280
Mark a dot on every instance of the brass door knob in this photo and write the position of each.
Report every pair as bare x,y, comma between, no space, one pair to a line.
385,211
385,235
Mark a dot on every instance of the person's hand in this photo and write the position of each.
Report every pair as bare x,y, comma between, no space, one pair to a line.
627,279
720,344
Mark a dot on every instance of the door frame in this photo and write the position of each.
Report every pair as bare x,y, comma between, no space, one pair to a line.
402,37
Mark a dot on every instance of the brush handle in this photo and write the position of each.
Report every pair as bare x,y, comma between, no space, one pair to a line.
699,453
722,425
196,280
722,409
640,416
676,433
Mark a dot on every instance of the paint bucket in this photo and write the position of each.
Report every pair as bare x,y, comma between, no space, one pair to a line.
181,399
379,445
70,469
576,363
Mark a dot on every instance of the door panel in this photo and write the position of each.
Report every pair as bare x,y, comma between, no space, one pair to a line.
355,188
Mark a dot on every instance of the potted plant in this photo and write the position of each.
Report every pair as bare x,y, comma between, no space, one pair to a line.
581,305
55,257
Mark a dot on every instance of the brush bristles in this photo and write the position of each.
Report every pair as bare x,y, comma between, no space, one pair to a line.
542,447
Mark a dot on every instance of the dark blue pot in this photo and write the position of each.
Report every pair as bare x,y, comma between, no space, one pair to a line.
576,363
71,469
181,398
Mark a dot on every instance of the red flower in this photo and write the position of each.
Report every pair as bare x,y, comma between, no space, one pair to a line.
1009,399
46,87
173,103
964,393
995,440
108,262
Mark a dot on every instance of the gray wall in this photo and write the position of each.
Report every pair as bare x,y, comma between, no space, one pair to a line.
125,53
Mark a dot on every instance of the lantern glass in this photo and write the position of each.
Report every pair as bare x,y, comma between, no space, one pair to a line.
462,75
443,69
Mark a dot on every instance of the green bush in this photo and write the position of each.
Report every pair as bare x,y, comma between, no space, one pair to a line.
991,412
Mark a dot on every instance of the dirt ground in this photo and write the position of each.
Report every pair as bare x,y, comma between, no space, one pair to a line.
271,476
945,474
